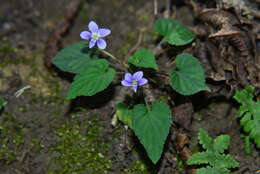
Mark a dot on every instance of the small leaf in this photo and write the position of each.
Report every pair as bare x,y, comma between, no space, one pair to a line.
225,161
249,126
221,143
174,32
124,114
247,117
212,170
94,79
143,58
245,95
247,145
74,58
205,140
152,127
189,79
2,103
201,158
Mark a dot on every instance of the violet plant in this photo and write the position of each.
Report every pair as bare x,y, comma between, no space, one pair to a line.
151,119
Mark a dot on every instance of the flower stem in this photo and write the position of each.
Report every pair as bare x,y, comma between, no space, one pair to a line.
108,54
113,57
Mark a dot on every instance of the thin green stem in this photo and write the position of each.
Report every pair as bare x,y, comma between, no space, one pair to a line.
109,55
113,57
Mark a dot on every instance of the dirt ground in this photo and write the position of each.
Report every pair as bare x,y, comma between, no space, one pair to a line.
42,133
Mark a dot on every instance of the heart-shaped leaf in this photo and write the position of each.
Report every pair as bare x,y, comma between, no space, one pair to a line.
143,58
94,79
174,32
74,58
189,77
152,127
124,114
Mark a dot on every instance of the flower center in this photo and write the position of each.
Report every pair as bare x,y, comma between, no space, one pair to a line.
134,83
95,36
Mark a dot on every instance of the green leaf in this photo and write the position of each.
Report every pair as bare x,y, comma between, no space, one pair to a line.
205,140
247,145
174,32
201,158
218,162
245,95
152,127
2,103
189,79
212,170
94,79
221,143
74,58
247,117
250,113
124,114
143,58
225,161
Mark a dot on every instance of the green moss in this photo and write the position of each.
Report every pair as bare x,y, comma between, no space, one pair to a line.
139,167
10,141
78,151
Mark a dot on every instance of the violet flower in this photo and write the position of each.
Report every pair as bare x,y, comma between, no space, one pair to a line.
95,35
134,80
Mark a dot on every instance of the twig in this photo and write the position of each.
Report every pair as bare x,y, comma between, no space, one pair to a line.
54,41
168,8
155,9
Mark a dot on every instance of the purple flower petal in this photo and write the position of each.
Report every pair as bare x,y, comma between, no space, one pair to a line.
138,75
128,77
126,83
135,88
142,81
104,32
93,27
101,43
85,35
92,43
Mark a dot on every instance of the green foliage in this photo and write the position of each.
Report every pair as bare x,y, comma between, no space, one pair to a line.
189,77
151,125
94,79
124,114
219,163
205,140
74,58
174,32
143,58
221,143
212,170
249,112
247,145
2,103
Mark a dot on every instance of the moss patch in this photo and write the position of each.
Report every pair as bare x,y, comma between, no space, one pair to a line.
79,149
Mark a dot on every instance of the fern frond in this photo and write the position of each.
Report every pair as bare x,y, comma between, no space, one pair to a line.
225,161
205,140
250,113
221,143
201,158
212,170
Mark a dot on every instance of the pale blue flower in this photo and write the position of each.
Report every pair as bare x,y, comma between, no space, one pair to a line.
134,80
96,35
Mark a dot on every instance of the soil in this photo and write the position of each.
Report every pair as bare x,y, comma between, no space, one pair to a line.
30,124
